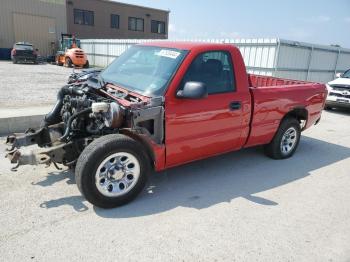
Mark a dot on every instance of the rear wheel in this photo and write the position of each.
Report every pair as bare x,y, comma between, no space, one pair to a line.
69,62
112,171
86,64
285,141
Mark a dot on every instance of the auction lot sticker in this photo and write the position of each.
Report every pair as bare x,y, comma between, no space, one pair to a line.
168,53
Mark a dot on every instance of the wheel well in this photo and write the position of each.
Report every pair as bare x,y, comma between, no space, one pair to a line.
145,144
301,114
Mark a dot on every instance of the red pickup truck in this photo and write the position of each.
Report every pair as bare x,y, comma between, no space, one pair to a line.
161,105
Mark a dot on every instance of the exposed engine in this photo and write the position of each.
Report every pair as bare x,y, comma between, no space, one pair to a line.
84,111
87,109
83,76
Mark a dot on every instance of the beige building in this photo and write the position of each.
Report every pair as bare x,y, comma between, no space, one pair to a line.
41,22
108,19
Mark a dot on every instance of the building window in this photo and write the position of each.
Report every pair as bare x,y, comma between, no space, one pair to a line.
83,17
136,24
157,27
114,21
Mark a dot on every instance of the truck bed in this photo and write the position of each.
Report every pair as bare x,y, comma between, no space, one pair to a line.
269,81
273,98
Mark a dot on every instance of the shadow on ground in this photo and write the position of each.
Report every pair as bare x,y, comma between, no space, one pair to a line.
220,179
55,177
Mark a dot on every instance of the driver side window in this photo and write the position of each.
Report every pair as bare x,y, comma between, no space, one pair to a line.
214,69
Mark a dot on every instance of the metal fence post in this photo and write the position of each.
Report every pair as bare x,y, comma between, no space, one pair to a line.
309,63
94,52
336,62
107,54
276,58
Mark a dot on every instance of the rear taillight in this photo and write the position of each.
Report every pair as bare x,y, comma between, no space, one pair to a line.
13,51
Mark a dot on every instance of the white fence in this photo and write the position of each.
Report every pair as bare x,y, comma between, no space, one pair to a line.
274,57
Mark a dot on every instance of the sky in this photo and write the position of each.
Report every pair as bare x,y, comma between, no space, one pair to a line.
315,21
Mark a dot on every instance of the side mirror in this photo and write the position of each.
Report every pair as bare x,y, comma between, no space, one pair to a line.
338,75
193,90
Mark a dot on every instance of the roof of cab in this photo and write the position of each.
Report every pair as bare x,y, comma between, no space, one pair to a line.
185,45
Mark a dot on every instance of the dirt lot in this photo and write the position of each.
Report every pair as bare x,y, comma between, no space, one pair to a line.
238,207
30,85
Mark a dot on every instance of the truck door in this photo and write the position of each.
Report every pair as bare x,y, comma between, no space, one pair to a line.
198,128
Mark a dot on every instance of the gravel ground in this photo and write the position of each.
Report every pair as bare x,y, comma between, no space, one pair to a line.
27,85
240,206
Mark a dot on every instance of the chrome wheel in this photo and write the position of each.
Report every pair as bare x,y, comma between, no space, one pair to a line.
117,174
289,140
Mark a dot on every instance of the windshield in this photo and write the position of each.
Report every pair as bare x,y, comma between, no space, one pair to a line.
144,69
346,74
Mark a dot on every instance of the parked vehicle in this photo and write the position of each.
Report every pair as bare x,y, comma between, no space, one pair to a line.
161,105
339,92
70,53
24,52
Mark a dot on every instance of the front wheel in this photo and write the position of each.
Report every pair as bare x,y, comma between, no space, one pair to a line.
285,141
112,171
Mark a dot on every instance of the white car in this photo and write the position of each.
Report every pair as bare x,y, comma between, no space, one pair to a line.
339,91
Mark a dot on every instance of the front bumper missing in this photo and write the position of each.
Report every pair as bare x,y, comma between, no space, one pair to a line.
49,149
34,157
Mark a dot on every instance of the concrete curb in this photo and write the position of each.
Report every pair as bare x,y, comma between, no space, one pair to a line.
17,120
19,124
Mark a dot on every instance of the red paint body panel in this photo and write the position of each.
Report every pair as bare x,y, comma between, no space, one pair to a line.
196,129
271,104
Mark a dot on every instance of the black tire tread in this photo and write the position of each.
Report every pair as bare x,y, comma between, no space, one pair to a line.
272,149
69,62
87,65
87,162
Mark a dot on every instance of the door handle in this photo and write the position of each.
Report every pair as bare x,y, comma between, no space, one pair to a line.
235,105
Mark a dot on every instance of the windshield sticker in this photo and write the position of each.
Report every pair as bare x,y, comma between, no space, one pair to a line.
168,53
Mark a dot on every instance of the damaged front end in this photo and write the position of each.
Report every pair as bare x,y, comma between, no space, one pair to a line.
49,149
84,111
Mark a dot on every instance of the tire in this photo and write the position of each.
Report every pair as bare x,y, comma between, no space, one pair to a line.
290,127
86,64
69,62
90,167
57,61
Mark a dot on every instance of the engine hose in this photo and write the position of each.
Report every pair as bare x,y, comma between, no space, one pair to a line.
54,117
70,120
